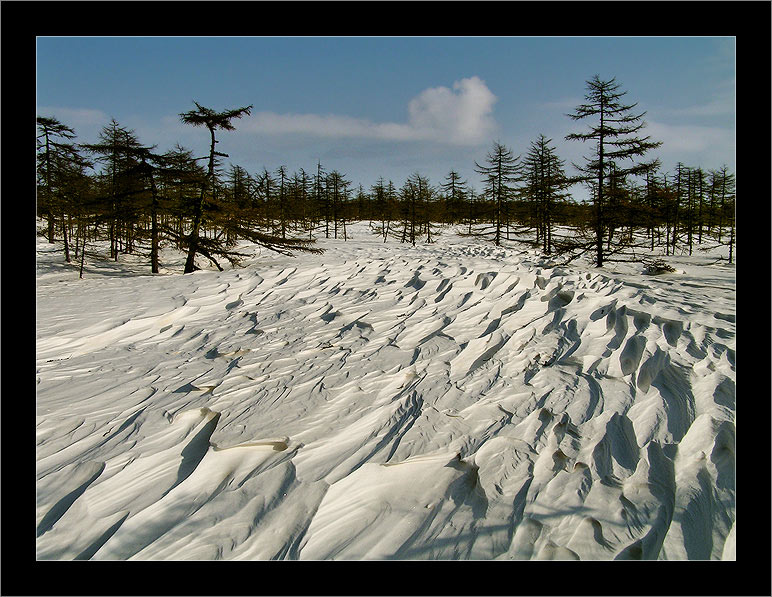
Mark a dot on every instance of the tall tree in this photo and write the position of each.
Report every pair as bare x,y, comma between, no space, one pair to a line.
499,174
614,129
700,184
213,121
266,186
544,185
180,181
321,197
62,178
118,149
156,170
337,185
50,129
727,185
454,190
380,206
679,186
282,209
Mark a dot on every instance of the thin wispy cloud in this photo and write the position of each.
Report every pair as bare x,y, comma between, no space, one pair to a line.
723,105
562,106
680,139
461,115
83,120
716,108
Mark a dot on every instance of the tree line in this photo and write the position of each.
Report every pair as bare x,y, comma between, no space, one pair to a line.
128,195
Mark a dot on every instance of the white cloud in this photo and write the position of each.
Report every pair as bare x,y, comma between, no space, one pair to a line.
74,116
323,126
691,138
721,107
462,115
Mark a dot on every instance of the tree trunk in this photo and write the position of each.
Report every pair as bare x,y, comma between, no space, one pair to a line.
190,264
599,210
153,226
731,240
66,243
83,251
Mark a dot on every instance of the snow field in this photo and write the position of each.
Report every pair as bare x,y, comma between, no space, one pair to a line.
447,401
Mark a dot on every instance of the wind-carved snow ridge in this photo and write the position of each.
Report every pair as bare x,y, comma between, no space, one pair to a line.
445,401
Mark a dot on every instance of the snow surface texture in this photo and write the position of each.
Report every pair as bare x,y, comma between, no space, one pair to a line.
445,401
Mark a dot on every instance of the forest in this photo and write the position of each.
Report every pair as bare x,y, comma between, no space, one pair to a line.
123,192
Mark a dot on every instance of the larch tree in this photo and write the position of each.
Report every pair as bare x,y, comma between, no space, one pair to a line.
62,179
679,185
544,186
151,168
321,197
454,190
422,195
50,129
118,150
337,186
213,121
613,128
180,181
217,246
500,173
380,207
727,186
281,207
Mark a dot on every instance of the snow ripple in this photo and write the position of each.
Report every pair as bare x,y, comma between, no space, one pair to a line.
442,402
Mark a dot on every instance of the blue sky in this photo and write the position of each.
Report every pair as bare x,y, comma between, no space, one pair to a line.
390,106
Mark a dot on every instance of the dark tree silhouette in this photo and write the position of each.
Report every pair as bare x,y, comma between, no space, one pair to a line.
206,117
62,179
454,191
118,149
614,129
500,174
48,150
544,186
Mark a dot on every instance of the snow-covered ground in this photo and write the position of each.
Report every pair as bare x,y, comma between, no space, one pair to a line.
446,401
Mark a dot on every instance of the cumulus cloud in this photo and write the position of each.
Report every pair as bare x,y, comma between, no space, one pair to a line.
460,115
463,114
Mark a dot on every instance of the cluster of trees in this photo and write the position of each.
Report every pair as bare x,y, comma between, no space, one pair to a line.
620,206
124,192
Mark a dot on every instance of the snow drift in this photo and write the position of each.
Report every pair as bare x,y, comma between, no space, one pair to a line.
448,401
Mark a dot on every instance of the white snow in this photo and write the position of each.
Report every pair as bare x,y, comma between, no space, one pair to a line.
382,401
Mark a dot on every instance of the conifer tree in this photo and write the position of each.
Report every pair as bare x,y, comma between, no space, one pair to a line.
62,179
180,182
423,195
216,246
614,130
378,194
500,174
726,183
454,190
544,185
118,149
48,149
679,186
206,117
281,196
337,185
